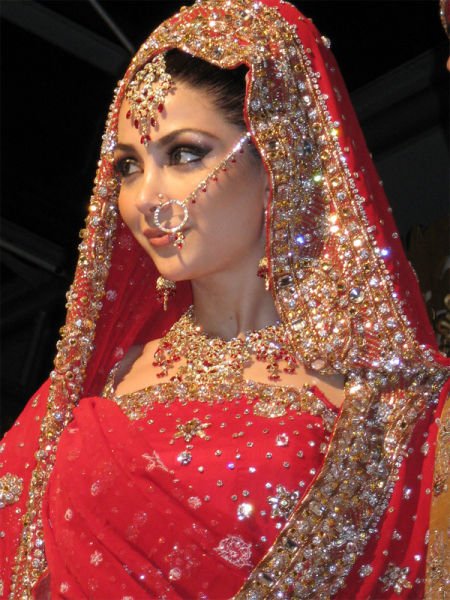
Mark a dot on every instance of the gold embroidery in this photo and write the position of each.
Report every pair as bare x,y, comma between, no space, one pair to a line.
396,578
269,401
438,554
442,463
190,429
438,561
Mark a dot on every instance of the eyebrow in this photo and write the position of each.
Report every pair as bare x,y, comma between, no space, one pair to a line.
167,139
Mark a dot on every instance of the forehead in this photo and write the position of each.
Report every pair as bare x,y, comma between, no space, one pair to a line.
184,107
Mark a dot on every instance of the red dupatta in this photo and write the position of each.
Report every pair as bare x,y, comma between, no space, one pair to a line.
341,283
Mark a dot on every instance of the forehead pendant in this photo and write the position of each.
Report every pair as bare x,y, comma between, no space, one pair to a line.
146,93
172,214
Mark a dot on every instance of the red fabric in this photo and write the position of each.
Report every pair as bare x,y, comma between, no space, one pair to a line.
101,445
123,518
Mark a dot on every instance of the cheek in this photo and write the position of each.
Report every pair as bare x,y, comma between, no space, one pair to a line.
126,209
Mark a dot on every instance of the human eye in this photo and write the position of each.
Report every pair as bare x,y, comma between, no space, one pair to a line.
126,166
186,154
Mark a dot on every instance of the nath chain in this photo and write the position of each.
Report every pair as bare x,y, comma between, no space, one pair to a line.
175,230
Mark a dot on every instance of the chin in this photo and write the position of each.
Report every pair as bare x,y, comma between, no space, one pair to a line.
175,272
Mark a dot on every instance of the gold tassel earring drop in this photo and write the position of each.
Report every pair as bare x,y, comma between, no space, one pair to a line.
165,289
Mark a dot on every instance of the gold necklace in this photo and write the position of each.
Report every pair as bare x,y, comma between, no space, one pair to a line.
213,360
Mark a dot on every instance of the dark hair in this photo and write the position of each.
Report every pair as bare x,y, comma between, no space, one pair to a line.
227,85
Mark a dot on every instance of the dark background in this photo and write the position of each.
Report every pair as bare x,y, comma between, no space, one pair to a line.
60,62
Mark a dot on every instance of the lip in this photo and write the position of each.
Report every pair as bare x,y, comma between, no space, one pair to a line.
157,238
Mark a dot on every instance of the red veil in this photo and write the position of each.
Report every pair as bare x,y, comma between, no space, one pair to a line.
342,285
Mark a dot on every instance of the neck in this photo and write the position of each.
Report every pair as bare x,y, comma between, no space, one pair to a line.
229,304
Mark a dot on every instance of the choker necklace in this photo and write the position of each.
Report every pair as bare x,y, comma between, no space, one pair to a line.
207,359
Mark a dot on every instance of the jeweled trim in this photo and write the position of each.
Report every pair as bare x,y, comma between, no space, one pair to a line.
265,400
11,487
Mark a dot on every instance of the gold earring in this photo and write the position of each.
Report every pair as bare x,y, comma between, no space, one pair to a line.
165,289
263,272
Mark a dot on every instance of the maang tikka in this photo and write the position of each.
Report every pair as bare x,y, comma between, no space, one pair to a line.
146,93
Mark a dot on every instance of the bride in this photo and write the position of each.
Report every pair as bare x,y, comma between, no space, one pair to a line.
246,397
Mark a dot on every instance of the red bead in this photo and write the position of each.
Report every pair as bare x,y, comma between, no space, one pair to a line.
136,123
153,121
128,115
204,189
194,201
233,160
160,107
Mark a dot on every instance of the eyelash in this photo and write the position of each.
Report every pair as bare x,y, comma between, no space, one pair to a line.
199,151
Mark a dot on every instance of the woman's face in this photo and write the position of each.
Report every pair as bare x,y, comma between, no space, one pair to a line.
224,230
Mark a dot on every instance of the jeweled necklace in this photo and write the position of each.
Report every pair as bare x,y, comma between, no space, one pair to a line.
209,359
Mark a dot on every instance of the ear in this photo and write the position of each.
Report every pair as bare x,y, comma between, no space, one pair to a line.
267,190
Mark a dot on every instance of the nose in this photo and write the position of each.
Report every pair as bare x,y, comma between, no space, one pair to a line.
147,206
148,196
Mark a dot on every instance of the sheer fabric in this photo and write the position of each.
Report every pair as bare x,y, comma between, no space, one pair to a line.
344,289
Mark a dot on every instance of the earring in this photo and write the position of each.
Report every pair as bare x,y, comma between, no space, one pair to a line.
263,272
165,289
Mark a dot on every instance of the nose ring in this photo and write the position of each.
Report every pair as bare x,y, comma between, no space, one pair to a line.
167,204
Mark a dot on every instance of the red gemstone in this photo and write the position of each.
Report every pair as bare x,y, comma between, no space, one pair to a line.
136,123
153,121
233,160
128,115
204,189
160,107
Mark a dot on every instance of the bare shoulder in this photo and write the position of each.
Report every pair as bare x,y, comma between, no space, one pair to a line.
136,371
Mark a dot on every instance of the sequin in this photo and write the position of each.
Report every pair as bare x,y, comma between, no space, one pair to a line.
244,511
282,439
184,458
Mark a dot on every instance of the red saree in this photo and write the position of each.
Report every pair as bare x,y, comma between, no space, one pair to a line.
101,498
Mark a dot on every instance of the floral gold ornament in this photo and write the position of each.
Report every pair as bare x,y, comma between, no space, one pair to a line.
165,289
283,502
216,360
146,94
191,429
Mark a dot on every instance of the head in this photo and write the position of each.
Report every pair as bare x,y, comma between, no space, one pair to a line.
201,121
